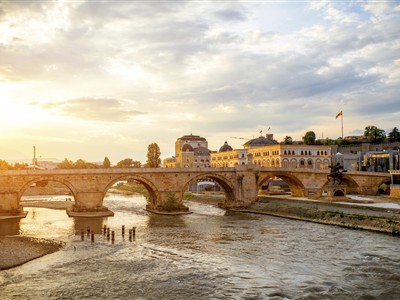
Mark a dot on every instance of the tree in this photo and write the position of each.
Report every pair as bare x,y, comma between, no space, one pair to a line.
309,138
374,134
288,140
4,165
153,156
106,163
66,164
129,163
394,135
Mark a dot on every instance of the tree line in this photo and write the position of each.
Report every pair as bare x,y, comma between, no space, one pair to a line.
153,161
372,134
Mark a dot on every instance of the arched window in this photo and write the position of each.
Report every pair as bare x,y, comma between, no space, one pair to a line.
310,163
268,163
309,152
318,163
285,152
272,163
277,162
301,153
302,163
317,152
285,163
293,163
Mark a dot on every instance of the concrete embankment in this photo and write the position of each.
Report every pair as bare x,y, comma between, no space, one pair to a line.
333,216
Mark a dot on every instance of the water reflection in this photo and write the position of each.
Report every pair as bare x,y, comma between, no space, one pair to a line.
95,224
9,227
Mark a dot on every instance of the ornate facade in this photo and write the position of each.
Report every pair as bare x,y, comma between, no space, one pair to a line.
266,152
191,151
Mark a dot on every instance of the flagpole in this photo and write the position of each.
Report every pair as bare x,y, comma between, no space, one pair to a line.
342,125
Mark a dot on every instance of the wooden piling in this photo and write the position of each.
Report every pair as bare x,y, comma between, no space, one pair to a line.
92,236
82,235
123,230
104,229
112,236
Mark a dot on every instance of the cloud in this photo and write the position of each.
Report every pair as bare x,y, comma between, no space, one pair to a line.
94,109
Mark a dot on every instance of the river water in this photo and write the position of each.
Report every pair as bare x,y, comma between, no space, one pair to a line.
210,254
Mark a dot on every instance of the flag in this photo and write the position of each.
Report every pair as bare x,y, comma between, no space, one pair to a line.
260,131
339,114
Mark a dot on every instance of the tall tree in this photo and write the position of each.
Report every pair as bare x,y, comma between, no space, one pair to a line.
394,135
309,138
374,134
288,140
153,156
106,163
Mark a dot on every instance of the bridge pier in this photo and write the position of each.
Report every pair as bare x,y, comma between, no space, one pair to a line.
169,202
10,207
89,204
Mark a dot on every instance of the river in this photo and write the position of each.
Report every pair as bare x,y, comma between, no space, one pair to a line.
210,254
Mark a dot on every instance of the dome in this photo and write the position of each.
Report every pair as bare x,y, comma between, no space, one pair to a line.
225,147
186,148
260,141
201,151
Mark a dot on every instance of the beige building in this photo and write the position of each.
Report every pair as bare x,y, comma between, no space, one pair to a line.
191,151
265,151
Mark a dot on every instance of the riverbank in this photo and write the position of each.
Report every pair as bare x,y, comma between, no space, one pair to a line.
355,214
64,205
336,216
17,250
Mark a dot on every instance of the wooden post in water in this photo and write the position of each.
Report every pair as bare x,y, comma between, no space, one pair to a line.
123,230
108,234
92,236
82,235
133,232
130,235
104,229
88,231
112,236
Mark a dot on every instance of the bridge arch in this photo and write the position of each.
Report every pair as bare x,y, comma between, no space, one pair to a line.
352,187
296,186
63,181
222,181
151,188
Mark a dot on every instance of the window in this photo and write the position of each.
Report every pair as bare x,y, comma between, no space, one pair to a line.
396,179
317,152
301,153
302,163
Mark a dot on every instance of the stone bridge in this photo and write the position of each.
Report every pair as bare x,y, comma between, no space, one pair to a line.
241,184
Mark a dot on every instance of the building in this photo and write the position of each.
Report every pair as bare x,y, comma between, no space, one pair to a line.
227,157
191,151
381,161
266,152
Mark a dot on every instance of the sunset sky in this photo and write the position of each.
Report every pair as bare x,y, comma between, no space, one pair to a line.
89,79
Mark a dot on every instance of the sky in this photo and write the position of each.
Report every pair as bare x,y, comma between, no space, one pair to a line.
89,79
